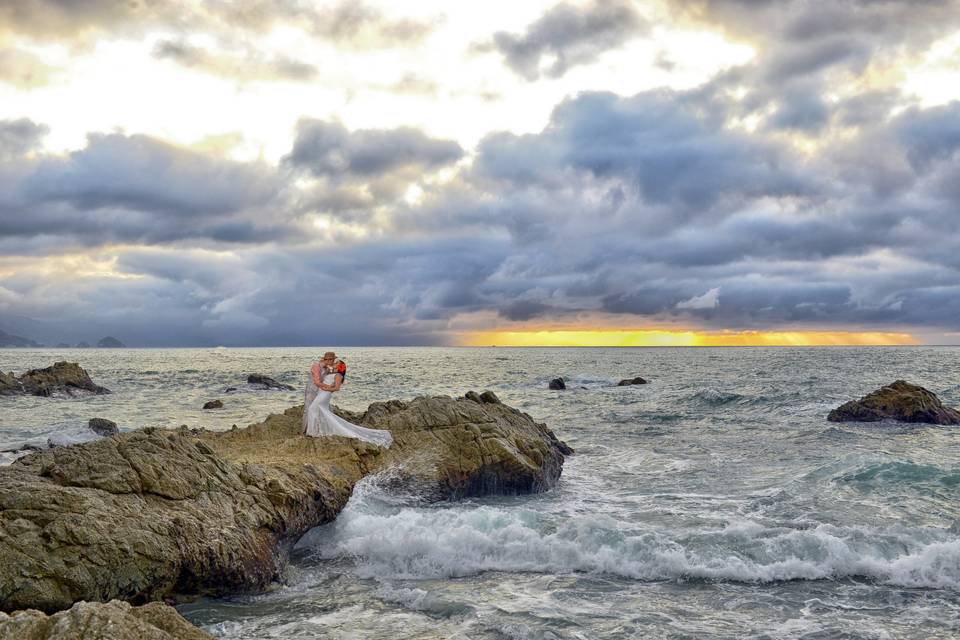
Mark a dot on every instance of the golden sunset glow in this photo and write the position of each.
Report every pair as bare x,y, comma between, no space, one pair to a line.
662,338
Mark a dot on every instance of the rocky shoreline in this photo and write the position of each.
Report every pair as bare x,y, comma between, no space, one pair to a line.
158,514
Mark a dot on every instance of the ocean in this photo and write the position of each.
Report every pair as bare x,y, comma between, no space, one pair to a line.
714,502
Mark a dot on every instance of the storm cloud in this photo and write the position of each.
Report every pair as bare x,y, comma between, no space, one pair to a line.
569,35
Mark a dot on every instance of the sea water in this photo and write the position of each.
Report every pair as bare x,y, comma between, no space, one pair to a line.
714,502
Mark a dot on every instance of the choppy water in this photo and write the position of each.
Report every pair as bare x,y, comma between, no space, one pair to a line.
714,502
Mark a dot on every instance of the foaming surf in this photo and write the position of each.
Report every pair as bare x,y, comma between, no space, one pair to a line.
386,539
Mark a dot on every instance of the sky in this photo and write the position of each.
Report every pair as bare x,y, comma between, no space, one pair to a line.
585,172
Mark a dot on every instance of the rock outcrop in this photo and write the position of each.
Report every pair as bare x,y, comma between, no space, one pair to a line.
266,382
109,342
213,404
557,384
63,377
899,401
103,427
157,514
112,620
631,381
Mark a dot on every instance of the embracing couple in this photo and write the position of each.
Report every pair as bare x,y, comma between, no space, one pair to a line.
326,377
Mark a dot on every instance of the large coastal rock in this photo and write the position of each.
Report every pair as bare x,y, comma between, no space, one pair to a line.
67,378
157,514
112,620
900,401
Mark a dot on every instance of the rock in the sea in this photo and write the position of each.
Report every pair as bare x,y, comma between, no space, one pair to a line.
267,382
229,389
112,620
213,404
103,427
157,514
631,381
10,385
899,401
557,384
63,377
110,342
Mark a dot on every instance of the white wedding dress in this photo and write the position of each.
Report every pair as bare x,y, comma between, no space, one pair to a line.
319,420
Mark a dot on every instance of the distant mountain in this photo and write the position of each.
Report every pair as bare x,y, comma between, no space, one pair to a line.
10,340
111,343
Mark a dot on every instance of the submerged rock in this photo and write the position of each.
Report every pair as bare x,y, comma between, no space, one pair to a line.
267,382
213,404
631,381
156,514
900,401
112,620
63,377
103,427
557,384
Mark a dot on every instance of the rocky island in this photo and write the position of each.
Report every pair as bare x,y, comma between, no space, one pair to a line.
157,514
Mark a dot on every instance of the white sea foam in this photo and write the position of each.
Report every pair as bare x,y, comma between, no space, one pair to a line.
414,542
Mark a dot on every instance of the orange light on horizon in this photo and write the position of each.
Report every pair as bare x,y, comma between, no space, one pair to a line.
667,338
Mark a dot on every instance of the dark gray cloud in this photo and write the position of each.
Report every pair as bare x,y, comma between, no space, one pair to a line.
642,209
133,188
329,149
246,64
569,35
18,137
806,49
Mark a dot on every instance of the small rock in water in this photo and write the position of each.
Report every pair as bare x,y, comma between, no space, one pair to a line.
900,401
229,389
103,427
267,382
557,384
213,404
631,381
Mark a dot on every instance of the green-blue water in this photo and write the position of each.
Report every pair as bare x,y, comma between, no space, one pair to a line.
714,502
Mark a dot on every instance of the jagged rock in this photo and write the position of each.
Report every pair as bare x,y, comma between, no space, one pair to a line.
153,514
213,404
557,384
62,377
112,620
267,382
631,381
10,385
900,401
103,427
110,342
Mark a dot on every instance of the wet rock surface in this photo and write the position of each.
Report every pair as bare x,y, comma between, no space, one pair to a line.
112,620
213,404
900,401
266,382
155,514
557,384
103,427
67,378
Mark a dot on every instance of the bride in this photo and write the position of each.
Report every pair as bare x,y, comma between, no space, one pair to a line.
326,376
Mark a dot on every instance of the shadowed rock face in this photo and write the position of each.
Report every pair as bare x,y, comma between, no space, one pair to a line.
900,401
114,620
154,514
63,377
